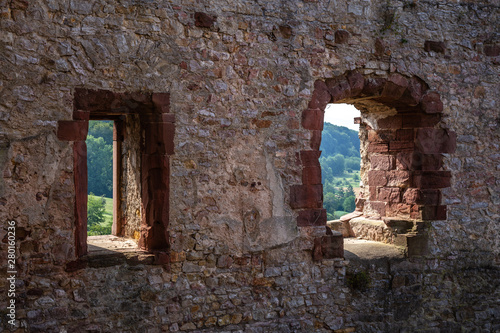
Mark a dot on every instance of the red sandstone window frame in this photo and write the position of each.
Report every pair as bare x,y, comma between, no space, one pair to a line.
419,109
158,129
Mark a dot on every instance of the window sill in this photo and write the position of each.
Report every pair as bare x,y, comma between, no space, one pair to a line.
109,250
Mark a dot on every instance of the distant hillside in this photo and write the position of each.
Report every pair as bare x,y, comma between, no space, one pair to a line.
339,140
339,161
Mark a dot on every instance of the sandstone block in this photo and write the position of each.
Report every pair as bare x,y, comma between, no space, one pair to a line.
311,217
313,119
161,102
382,162
394,87
341,37
439,47
329,247
431,179
203,20
356,82
311,175
306,196
377,178
320,97
434,141
431,103
72,130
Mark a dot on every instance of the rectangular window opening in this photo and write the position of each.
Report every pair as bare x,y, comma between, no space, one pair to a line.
104,223
100,178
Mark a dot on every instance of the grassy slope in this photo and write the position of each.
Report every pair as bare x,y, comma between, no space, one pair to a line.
108,213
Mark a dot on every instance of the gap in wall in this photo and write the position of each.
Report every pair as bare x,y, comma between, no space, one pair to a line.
100,177
340,160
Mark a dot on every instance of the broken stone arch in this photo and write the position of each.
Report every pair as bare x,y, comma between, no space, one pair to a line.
402,147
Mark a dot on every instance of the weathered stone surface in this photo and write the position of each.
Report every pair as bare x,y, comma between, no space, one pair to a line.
237,88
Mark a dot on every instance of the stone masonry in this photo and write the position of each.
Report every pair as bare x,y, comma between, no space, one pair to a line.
218,111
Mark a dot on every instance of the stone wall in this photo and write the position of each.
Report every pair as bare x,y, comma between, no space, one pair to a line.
247,247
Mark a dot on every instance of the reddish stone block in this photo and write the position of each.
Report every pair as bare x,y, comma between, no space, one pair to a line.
309,157
398,178
311,175
81,186
414,92
341,37
315,142
320,97
313,119
161,258
433,212
373,86
417,120
81,115
381,135
286,31
398,210
203,20
97,100
311,217
378,147
439,47
379,207
411,196
328,247
260,123
306,196
405,134
432,179
360,204
433,141
382,162
356,82
377,178
389,195
427,162
380,48
155,193
72,130
430,197
396,146
492,50
391,122
168,118
394,87
404,161
159,138
373,193
431,103
339,88
161,102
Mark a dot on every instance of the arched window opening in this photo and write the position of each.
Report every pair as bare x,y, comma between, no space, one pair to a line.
402,147
340,160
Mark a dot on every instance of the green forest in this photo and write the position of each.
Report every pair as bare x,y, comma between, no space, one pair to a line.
100,178
340,162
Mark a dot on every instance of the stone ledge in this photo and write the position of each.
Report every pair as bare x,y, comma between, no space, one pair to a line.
361,249
108,250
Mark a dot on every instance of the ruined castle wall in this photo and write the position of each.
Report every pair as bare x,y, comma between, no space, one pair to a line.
239,76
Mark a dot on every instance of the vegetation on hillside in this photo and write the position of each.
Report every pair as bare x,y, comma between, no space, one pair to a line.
100,178
340,160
